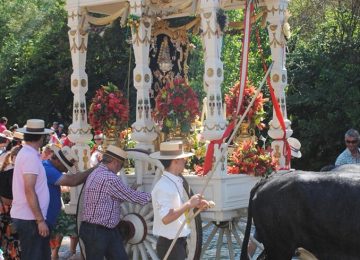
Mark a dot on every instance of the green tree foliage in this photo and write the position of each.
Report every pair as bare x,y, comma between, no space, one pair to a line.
324,92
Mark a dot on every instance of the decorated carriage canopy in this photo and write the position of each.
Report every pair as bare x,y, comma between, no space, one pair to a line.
165,101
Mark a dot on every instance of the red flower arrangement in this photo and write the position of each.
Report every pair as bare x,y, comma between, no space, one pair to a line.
249,159
109,109
256,112
177,106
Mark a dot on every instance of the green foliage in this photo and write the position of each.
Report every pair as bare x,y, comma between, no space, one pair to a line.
324,93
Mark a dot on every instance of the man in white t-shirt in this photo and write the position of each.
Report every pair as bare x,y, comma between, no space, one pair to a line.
31,194
168,201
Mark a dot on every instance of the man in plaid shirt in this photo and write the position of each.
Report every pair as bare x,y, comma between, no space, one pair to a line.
103,194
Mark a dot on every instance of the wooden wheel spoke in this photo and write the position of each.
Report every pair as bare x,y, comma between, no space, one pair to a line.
219,243
151,239
149,215
144,210
150,250
144,255
230,245
237,237
135,252
207,225
208,241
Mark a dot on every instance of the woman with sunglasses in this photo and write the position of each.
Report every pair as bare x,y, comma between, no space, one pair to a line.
352,152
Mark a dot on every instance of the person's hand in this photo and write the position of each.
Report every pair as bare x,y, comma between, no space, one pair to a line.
203,204
195,200
43,229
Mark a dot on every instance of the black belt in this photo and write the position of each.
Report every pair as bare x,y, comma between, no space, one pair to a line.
95,225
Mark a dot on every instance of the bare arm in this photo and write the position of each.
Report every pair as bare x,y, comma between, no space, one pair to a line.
174,214
32,199
74,179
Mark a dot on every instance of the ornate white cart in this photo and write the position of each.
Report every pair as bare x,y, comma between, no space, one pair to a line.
229,192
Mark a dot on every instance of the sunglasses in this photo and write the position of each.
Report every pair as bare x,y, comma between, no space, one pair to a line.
351,141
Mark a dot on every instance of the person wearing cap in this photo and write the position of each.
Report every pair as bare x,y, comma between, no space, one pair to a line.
168,201
103,194
54,126
31,194
62,160
59,131
352,152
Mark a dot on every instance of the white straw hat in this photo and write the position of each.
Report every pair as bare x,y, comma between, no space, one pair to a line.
171,150
295,146
35,127
115,152
66,157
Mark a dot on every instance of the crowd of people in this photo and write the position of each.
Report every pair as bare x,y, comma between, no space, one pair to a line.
43,156
33,160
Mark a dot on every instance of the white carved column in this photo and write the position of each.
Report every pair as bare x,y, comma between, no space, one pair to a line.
143,130
215,122
79,130
276,10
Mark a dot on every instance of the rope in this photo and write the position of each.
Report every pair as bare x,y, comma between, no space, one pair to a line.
209,176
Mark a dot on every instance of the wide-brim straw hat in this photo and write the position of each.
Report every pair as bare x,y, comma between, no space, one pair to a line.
171,150
115,152
34,127
295,146
18,135
66,156
7,134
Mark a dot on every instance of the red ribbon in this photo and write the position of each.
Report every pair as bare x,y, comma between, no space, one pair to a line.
279,115
210,149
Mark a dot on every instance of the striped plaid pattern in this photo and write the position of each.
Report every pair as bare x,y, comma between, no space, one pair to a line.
104,193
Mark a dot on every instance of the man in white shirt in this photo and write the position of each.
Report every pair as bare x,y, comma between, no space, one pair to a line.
169,202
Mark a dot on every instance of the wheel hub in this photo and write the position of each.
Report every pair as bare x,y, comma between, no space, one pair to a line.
137,228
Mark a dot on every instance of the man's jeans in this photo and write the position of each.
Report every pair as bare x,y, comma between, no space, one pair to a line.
102,242
33,246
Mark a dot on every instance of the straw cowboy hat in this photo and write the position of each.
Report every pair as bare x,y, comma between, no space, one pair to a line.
7,134
171,150
115,152
18,135
295,146
34,127
66,157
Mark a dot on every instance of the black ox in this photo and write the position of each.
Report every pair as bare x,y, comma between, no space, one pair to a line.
318,211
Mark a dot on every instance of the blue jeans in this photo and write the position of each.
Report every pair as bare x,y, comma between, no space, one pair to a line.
33,246
102,242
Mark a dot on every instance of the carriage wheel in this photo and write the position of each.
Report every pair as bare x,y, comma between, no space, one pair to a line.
141,243
224,239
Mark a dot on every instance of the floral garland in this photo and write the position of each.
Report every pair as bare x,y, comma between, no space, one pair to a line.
109,109
177,106
252,160
256,112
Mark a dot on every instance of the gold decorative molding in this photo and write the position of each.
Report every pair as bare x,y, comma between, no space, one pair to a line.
209,31
144,129
83,83
147,78
215,126
137,77
273,10
210,72
276,77
80,131
82,48
275,42
75,82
